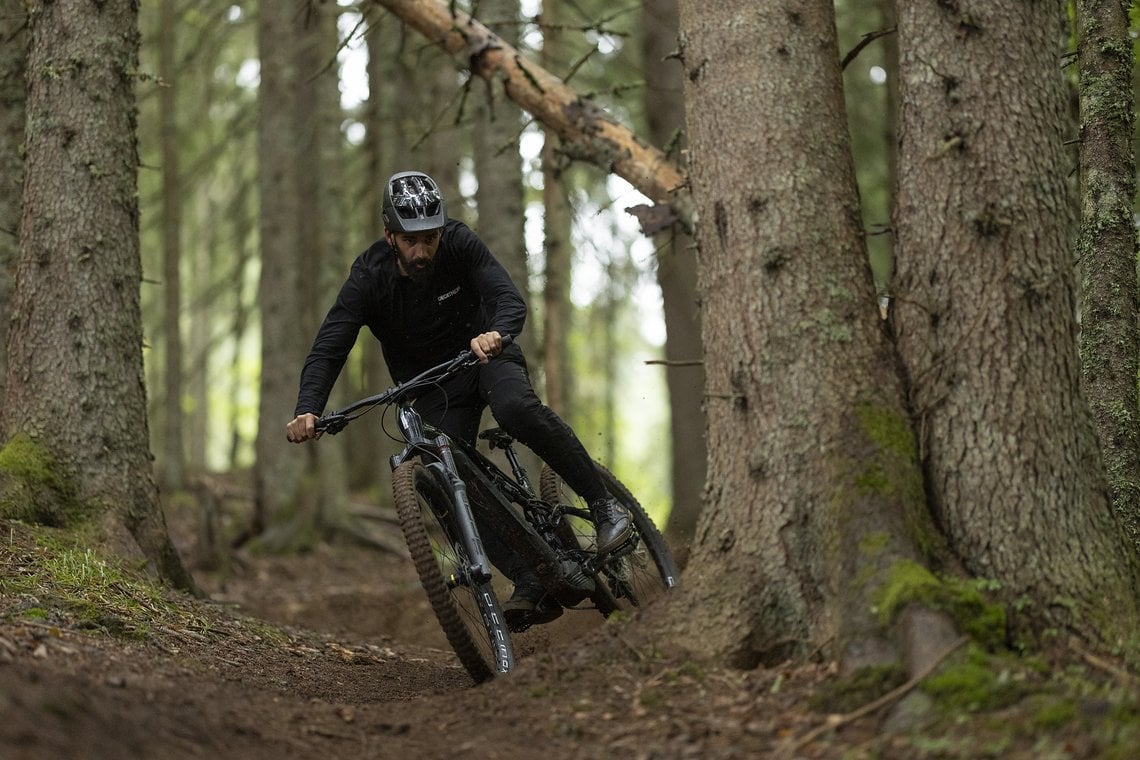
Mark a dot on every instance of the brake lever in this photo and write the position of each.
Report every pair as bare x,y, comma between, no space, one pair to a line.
332,423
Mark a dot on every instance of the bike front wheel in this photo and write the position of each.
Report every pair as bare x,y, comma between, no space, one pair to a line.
633,577
468,611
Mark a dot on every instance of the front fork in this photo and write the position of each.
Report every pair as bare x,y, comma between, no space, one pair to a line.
478,569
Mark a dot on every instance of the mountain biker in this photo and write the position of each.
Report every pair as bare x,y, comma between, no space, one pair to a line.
427,290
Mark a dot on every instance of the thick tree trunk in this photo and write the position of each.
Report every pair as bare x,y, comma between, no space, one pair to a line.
74,378
13,93
814,494
984,313
1110,346
677,278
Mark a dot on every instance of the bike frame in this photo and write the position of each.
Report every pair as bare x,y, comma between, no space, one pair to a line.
442,456
438,453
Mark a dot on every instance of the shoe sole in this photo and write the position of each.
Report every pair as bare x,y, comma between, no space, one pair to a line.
617,546
518,620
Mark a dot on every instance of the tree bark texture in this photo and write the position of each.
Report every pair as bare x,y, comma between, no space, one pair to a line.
498,167
173,449
364,459
1110,346
13,93
596,136
324,260
277,476
75,372
814,491
677,278
984,314
557,219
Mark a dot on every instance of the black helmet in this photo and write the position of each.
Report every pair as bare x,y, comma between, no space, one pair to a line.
413,203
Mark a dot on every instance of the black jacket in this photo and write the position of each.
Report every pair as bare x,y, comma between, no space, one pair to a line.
419,325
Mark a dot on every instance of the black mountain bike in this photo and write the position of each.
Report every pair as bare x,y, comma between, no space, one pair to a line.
446,491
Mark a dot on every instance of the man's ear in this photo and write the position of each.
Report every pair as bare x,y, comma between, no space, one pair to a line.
388,236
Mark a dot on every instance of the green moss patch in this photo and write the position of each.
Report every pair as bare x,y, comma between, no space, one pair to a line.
33,487
960,598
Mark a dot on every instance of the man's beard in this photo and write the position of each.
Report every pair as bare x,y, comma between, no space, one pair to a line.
421,273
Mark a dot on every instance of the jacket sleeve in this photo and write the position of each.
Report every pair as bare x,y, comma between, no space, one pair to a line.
332,345
505,307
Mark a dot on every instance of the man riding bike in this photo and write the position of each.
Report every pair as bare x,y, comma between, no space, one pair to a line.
427,290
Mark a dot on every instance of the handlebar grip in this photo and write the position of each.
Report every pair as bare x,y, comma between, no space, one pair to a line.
507,340
331,423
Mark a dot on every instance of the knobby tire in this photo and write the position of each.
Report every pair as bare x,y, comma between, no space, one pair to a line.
647,572
470,615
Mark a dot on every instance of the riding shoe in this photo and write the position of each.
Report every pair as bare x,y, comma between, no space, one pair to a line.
612,526
529,605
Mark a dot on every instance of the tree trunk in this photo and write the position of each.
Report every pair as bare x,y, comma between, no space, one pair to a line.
13,92
318,501
75,393
677,278
557,311
381,141
984,314
173,452
498,168
1110,348
814,495
277,476
320,168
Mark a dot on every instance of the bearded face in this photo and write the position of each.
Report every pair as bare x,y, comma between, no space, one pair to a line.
415,252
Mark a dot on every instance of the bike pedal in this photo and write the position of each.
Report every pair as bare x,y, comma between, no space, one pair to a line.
626,548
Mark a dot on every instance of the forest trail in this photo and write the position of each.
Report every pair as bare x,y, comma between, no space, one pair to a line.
335,653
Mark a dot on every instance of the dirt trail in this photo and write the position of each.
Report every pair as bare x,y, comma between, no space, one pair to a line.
326,654
336,654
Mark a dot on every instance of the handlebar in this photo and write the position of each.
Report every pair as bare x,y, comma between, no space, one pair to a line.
334,422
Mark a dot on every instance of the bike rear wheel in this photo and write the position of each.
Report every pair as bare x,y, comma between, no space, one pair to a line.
468,612
633,578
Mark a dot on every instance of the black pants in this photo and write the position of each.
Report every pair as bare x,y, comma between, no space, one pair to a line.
504,384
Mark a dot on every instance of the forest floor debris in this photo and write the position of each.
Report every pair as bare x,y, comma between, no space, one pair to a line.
335,653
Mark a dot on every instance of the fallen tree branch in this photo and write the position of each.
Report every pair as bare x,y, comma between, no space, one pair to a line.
595,135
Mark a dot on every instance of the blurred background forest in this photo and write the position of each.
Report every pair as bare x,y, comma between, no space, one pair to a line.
357,97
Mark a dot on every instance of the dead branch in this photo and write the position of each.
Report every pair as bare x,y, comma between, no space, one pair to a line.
594,133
